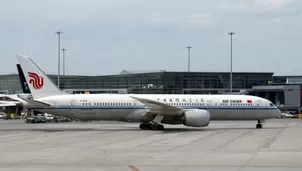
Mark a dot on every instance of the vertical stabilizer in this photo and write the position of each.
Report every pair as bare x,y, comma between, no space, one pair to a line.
39,84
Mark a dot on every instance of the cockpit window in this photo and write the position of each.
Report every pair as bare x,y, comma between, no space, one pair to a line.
271,104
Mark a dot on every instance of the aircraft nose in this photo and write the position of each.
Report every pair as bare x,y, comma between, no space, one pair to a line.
278,112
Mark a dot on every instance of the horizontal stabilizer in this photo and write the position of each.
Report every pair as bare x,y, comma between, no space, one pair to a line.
36,103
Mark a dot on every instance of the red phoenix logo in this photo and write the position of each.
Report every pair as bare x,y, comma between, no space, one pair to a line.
36,80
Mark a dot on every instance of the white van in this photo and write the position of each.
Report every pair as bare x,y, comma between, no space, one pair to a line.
49,117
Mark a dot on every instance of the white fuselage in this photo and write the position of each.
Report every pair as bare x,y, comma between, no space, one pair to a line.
123,107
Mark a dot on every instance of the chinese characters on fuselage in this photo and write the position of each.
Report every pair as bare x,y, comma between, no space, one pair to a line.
180,100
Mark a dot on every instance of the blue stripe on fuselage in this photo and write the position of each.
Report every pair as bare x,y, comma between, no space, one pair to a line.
145,107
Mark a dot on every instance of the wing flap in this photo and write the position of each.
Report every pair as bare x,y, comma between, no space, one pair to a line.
159,107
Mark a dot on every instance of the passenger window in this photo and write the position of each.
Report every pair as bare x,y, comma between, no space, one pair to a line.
271,104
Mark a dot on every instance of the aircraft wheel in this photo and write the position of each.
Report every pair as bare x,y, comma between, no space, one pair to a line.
143,126
259,126
153,127
160,127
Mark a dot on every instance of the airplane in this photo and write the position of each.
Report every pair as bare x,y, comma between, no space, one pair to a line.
13,99
151,110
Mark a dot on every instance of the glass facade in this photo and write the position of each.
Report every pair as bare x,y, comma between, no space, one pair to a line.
153,83
10,84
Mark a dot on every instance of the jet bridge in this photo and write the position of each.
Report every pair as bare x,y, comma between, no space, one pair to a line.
286,97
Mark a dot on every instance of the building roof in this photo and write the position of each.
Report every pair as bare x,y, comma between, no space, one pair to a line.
139,71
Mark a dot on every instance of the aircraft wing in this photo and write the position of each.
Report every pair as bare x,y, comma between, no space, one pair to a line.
159,107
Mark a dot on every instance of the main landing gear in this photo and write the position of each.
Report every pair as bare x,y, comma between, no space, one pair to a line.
151,126
259,125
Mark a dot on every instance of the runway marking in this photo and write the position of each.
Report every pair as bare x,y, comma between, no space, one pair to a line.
133,168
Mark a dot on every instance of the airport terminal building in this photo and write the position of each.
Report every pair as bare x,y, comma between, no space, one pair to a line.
155,82
283,91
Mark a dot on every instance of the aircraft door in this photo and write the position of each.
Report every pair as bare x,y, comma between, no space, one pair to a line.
213,108
73,107
257,111
136,103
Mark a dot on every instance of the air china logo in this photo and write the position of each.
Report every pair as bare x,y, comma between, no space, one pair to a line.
36,80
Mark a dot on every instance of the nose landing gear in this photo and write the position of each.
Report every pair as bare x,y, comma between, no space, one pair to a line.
259,124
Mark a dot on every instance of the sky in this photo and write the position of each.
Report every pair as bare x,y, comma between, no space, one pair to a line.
106,37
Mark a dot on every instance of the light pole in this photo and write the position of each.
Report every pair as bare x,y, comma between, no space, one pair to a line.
231,68
59,51
189,48
63,50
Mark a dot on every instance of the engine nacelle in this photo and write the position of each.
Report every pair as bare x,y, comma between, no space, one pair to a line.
196,118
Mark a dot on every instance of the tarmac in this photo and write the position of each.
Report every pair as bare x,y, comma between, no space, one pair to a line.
116,146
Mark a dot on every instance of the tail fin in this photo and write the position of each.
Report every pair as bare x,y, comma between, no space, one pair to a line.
23,82
39,84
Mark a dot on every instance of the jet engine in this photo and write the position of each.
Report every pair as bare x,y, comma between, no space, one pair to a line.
196,118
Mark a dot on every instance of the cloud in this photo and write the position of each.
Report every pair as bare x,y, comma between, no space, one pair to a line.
271,5
255,6
198,19
151,33
233,7
276,20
